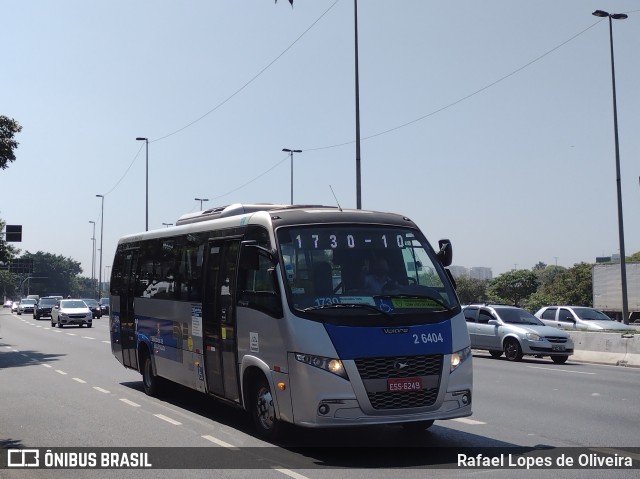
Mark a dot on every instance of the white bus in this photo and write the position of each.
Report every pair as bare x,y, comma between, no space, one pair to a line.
271,308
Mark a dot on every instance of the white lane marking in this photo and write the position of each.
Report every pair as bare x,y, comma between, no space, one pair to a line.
25,355
290,473
130,403
8,347
562,370
101,390
61,372
168,419
81,381
468,421
47,365
87,337
15,350
71,334
106,342
220,442
56,331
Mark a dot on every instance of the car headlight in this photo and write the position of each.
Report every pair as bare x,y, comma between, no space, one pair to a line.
533,337
334,366
459,357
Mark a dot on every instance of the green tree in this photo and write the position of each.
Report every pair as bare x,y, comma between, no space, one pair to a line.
634,257
547,274
513,287
572,287
471,290
8,128
53,274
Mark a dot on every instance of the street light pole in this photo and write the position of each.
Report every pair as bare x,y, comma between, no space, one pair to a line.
93,256
291,152
357,80
101,238
146,140
167,224
201,200
623,268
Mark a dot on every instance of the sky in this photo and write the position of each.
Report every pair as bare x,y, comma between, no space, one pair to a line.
489,123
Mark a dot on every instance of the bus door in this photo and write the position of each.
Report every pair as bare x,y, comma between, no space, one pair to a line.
127,313
219,319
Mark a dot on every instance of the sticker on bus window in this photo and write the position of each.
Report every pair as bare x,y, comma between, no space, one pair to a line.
403,303
254,343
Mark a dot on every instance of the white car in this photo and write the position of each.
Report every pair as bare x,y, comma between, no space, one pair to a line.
71,311
579,318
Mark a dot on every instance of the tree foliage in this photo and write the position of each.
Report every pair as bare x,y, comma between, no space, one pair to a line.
52,274
513,287
8,128
471,290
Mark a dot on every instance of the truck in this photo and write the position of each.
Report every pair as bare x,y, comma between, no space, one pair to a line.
607,289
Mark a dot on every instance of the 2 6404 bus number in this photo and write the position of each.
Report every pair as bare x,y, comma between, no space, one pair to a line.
426,338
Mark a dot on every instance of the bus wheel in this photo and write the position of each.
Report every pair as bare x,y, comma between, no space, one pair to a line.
150,381
263,411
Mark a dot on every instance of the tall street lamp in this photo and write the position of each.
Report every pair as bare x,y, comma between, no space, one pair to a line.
201,200
146,224
93,256
291,152
167,224
101,238
357,81
623,269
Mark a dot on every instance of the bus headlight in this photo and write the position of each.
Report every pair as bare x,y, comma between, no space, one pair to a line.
459,357
334,366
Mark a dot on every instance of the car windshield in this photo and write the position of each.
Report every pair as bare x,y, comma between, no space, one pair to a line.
362,270
28,301
518,316
72,303
589,314
90,302
46,302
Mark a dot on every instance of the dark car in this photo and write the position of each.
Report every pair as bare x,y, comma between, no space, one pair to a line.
104,305
43,307
94,306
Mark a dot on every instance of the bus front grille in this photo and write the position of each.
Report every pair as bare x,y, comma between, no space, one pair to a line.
376,371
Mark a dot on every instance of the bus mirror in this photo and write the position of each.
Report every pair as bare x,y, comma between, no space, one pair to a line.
445,255
250,253
249,259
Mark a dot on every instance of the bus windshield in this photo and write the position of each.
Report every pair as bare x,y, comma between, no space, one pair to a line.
362,270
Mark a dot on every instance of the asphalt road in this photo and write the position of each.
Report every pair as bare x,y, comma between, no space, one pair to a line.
63,388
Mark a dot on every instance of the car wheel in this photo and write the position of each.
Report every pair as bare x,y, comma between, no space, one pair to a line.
512,350
417,427
263,411
88,325
495,354
559,359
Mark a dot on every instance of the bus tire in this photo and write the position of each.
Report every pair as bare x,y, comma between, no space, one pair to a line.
263,411
150,382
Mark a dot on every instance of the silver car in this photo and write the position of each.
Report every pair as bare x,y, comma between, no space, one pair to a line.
71,311
515,332
580,318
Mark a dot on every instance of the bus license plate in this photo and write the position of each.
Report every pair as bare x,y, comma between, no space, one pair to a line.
557,347
404,384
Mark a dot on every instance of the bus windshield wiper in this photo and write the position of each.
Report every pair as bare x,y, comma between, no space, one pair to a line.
349,306
414,296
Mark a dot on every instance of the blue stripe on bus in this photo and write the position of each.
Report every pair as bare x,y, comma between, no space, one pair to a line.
357,342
